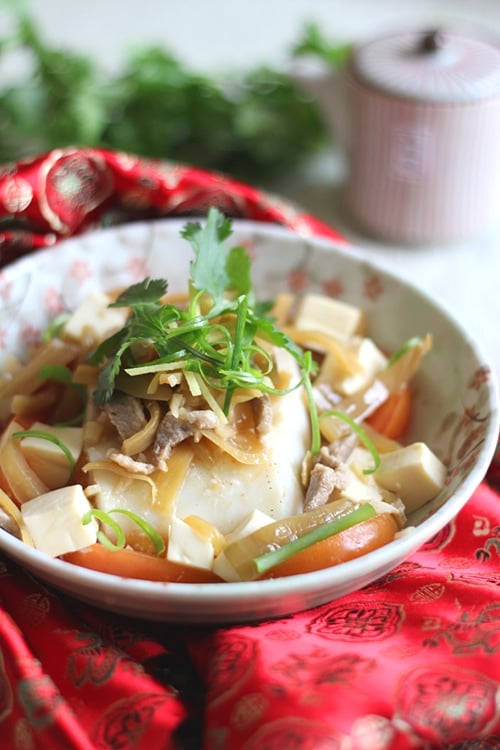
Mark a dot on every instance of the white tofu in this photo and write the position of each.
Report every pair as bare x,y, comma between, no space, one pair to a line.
93,317
114,491
253,522
414,473
361,487
369,361
224,569
187,547
54,521
224,492
332,317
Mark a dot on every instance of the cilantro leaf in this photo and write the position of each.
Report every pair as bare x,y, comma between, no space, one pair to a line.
145,292
268,330
108,347
107,377
208,270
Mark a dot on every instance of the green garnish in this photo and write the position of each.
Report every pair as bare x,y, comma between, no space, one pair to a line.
314,43
150,531
313,410
409,344
55,327
106,519
216,336
362,435
63,375
42,435
269,560
254,124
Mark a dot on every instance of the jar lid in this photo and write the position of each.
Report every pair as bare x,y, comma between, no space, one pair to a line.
435,66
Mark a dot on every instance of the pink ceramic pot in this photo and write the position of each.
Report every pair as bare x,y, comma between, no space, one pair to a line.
419,115
424,141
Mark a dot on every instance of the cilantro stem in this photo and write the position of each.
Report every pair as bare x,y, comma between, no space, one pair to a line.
274,557
241,316
182,330
197,353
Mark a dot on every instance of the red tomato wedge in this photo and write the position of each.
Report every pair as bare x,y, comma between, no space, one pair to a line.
392,418
128,563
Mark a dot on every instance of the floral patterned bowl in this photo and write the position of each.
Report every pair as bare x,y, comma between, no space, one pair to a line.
456,406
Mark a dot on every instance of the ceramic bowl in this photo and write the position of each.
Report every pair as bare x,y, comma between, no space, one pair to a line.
455,404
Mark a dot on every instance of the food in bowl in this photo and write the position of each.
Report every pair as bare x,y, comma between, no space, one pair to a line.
210,436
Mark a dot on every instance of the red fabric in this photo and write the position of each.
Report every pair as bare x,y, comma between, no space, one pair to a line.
69,191
411,661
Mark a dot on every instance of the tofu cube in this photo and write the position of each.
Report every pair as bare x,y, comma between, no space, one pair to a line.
225,570
361,487
187,547
414,473
369,360
253,522
95,318
54,521
332,317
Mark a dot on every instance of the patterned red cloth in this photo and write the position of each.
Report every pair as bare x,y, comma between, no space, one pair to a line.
411,661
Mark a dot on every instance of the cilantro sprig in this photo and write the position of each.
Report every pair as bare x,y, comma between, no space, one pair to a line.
219,335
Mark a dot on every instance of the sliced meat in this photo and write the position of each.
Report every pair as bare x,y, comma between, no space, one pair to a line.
322,482
131,464
171,431
339,450
200,419
126,413
174,430
329,472
262,410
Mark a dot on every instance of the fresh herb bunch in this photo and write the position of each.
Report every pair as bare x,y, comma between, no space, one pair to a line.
255,127
217,336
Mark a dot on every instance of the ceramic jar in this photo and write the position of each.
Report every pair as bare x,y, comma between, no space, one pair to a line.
423,136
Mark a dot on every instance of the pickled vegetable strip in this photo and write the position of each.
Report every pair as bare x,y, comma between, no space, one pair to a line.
265,562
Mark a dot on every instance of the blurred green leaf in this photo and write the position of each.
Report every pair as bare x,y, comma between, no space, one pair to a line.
256,126
315,43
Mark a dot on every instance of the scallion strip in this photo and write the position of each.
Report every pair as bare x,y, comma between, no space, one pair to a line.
106,519
362,435
51,439
101,515
409,344
55,327
150,531
313,411
269,560
241,317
